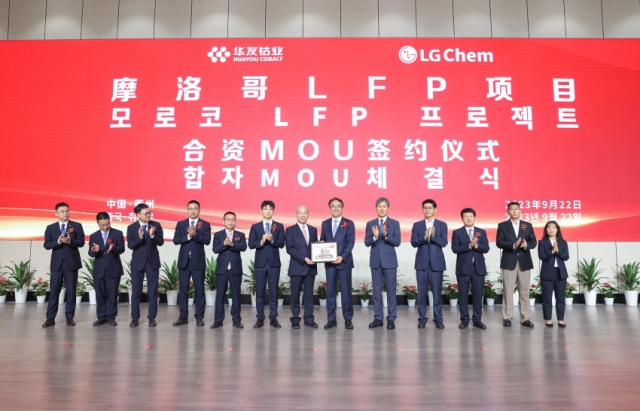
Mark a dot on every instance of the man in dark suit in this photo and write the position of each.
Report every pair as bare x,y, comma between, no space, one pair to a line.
302,270
429,236
228,244
470,243
383,236
106,245
267,238
63,238
144,237
192,235
343,232
516,239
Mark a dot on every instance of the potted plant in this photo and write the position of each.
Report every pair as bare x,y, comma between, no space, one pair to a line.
80,290
126,288
607,290
533,291
322,293
250,281
365,294
89,265
452,292
490,292
20,275
283,289
6,286
568,295
169,281
630,281
589,276
40,288
210,281
192,293
411,291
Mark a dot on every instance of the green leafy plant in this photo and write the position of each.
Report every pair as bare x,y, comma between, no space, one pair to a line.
89,265
322,290
81,288
170,277
229,293
40,287
533,291
365,291
192,290
127,285
589,274
629,276
490,290
411,291
210,274
452,291
607,290
283,289
569,291
250,279
6,285
19,274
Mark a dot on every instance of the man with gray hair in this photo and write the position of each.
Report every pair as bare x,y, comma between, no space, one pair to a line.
383,236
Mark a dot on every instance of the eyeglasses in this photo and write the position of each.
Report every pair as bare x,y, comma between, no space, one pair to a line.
145,214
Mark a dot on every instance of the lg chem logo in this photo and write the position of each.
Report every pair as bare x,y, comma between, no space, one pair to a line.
408,54
218,54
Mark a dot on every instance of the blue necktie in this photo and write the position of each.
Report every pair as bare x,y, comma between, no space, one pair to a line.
144,228
63,230
104,237
267,228
193,223
335,227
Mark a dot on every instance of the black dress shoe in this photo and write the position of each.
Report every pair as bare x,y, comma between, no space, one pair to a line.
348,325
527,324
295,326
506,323
48,323
312,325
258,324
99,322
376,323
479,324
216,325
550,324
134,323
439,326
422,324
391,325
274,323
200,322
181,321
238,324
463,325
330,324
70,322
113,323
152,322
562,325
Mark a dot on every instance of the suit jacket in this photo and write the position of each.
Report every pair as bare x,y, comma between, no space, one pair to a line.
145,249
107,264
470,260
193,246
229,255
64,253
506,237
383,249
429,253
547,271
269,252
346,239
298,249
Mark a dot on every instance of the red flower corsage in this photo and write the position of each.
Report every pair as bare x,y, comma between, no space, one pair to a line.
344,225
385,224
237,238
523,226
477,234
200,225
70,230
273,228
110,241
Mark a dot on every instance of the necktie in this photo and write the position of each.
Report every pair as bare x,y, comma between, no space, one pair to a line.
193,223
335,227
63,230
144,228
104,237
470,234
267,228
381,224
304,231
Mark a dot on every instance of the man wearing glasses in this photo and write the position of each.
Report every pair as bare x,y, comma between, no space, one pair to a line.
144,237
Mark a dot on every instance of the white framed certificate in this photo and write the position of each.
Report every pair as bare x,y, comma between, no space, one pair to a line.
324,252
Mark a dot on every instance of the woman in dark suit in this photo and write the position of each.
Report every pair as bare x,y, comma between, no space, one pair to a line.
553,251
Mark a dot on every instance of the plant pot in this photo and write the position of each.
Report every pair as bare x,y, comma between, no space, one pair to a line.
3,299
631,297
491,302
590,297
553,299
339,300
280,302
568,301
323,302
453,302
41,298
253,300
516,298
230,301
191,301
21,296
130,296
172,297
63,292
532,301
92,297
210,296
364,303
78,299
411,302
384,299
430,297
608,301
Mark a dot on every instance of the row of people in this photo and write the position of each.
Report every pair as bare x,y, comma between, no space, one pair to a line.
515,237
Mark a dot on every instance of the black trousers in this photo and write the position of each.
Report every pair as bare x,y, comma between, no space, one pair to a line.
70,279
298,282
476,283
559,286
185,276
222,282
107,294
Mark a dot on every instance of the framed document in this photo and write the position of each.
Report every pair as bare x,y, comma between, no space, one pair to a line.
324,252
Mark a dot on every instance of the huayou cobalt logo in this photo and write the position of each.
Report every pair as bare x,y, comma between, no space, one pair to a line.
218,54
408,54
